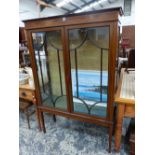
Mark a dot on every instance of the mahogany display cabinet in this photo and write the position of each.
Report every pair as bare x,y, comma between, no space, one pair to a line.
74,59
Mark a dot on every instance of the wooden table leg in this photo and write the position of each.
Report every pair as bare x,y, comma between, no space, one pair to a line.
42,121
110,137
118,130
37,112
38,118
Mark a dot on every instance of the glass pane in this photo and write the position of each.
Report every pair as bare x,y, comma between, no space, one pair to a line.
89,68
50,67
100,36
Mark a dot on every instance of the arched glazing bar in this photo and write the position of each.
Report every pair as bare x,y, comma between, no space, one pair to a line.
82,42
56,99
88,107
83,102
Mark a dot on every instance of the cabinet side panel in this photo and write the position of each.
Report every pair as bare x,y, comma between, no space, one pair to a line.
112,62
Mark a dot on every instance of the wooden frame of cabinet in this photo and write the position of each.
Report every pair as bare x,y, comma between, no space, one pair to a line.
64,23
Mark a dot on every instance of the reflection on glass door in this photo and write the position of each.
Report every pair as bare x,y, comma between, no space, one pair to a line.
50,68
89,49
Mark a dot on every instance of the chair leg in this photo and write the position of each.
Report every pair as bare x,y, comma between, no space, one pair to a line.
27,117
22,115
42,122
54,118
110,137
38,119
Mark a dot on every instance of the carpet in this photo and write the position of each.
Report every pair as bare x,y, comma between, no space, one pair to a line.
65,137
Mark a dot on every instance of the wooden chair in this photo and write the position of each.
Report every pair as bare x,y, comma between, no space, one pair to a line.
24,107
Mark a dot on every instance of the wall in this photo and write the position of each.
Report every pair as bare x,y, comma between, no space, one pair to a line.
126,20
130,20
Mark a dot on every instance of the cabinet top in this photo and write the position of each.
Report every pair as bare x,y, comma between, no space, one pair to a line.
110,14
119,9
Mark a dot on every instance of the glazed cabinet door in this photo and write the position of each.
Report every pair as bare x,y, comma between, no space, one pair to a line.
48,50
89,55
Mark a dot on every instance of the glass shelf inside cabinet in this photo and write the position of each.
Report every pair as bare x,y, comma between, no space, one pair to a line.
89,49
50,68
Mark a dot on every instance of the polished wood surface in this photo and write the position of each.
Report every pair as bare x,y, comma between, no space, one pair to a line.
110,18
81,18
26,86
26,94
125,108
